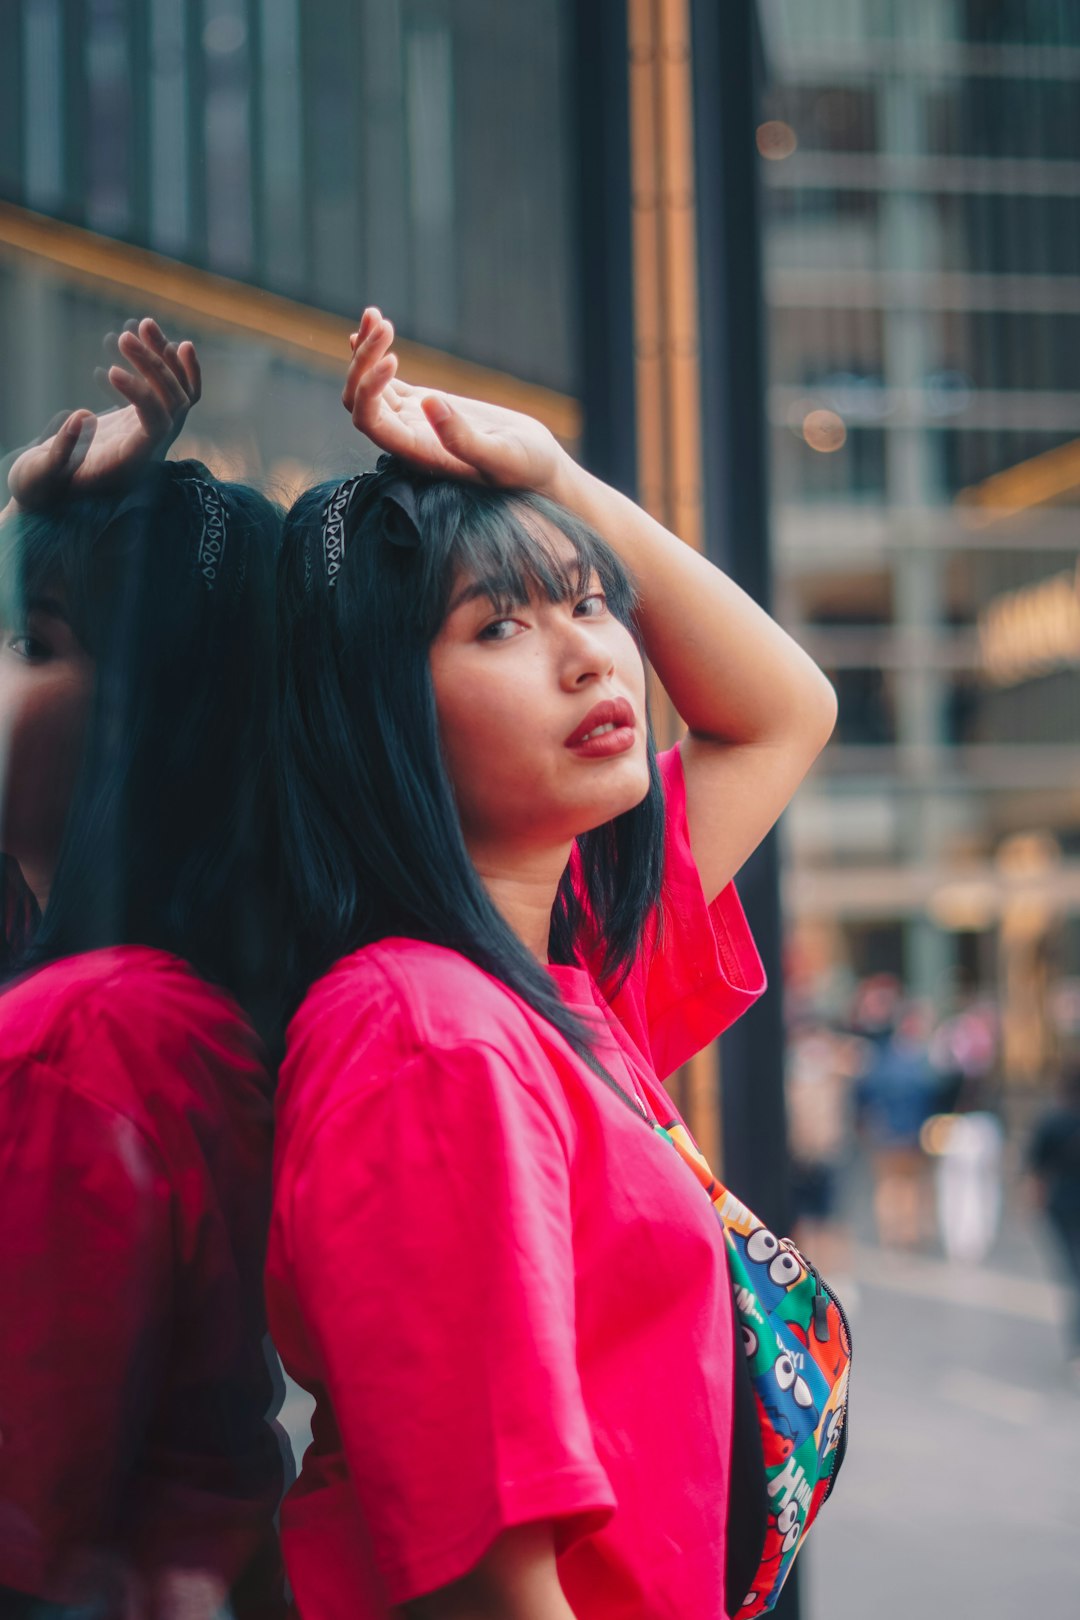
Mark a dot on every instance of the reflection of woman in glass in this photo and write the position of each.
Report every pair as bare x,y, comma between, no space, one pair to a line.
137,1474
510,1300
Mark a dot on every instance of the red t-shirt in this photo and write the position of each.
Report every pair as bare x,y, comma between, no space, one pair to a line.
135,1150
510,1299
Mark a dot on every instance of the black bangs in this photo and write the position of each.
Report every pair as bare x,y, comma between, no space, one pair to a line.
507,548
511,549
44,558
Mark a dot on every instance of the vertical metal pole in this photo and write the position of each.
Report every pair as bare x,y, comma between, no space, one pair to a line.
11,107
597,35
727,68
195,130
138,46
74,111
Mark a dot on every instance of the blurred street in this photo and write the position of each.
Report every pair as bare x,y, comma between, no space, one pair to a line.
961,1494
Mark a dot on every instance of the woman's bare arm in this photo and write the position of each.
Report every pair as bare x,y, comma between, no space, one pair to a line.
515,1580
757,708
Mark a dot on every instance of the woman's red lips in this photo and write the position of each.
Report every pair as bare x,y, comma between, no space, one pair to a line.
608,728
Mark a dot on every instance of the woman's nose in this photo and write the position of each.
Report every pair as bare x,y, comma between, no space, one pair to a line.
588,655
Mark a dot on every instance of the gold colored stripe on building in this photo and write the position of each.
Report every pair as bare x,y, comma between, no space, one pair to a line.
668,384
1034,482
168,287
667,354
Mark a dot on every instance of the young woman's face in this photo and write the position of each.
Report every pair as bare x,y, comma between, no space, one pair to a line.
542,716
46,688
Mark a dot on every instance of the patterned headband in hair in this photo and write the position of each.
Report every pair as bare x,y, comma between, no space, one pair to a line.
384,495
333,527
214,529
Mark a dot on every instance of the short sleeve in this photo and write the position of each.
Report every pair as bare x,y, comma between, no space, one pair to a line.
699,970
431,1244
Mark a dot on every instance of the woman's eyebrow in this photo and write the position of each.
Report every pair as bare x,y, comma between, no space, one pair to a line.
478,588
50,607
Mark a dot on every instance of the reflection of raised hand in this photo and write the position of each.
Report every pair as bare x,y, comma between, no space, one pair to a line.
90,454
443,433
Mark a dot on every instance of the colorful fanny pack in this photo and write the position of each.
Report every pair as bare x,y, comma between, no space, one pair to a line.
791,1388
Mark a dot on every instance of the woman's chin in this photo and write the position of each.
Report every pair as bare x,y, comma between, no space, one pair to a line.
621,790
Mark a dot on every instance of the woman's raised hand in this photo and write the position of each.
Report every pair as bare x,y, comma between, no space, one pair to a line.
92,454
444,433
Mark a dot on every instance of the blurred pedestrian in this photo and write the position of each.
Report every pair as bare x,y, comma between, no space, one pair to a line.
968,1184
896,1094
1054,1162
818,1083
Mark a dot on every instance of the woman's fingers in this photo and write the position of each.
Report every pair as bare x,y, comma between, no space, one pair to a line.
367,320
155,369
371,346
476,449
179,360
83,439
44,471
168,352
372,416
62,444
192,369
153,413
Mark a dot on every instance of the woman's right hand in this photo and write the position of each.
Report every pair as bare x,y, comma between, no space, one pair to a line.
445,434
93,454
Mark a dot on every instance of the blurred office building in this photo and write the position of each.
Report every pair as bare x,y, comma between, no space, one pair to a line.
922,173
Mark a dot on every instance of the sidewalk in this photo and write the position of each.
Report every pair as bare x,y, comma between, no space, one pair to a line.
961,1492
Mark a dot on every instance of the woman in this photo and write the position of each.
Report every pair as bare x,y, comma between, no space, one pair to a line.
137,1474
510,1301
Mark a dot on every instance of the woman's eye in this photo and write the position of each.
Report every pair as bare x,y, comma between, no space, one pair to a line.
28,647
590,607
499,630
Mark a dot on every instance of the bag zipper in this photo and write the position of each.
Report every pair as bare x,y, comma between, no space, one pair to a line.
823,1291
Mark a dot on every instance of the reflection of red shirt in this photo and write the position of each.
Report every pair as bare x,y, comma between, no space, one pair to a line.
510,1299
134,1166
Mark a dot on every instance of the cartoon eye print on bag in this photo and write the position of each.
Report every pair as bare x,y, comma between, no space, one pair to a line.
788,1401
789,1378
749,1341
785,1269
773,1268
761,1246
830,1439
788,1525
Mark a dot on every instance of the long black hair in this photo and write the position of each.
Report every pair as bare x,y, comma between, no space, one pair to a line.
169,586
372,840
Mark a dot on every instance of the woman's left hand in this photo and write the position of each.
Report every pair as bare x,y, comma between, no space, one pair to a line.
91,454
444,433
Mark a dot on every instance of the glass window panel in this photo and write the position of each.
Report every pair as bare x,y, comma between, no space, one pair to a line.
44,104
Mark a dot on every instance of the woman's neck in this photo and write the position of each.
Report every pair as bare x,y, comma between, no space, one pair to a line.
523,889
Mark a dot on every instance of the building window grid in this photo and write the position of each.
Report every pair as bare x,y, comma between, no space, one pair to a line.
1013,369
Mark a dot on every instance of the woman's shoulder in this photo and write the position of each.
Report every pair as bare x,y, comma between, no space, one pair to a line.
136,982
398,1036
405,996
125,1024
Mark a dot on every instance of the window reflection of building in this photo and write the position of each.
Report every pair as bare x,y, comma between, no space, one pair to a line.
337,152
924,285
